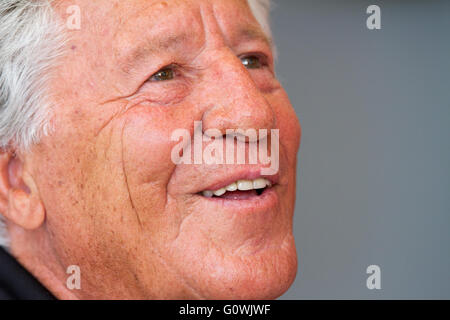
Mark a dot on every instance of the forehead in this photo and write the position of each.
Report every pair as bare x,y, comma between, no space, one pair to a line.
123,21
116,34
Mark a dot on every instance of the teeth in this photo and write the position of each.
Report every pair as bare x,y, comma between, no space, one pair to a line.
232,187
220,192
207,193
243,185
259,183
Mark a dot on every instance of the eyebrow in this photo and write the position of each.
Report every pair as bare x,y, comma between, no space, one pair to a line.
150,47
157,45
254,34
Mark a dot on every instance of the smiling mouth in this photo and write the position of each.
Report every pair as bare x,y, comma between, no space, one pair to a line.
239,190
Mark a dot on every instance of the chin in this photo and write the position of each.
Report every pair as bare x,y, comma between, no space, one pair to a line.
262,276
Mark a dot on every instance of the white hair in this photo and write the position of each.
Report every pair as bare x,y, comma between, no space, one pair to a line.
31,39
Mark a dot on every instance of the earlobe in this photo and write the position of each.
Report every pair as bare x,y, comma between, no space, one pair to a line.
19,199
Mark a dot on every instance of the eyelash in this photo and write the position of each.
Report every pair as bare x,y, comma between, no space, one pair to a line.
262,59
174,67
170,67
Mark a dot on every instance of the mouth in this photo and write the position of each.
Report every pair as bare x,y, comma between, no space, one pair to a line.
240,189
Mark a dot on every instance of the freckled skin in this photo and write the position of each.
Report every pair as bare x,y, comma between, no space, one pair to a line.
116,205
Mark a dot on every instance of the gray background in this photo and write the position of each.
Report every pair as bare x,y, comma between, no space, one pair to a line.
374,164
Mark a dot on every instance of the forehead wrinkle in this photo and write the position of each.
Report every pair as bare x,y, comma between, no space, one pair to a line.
245,30
159,43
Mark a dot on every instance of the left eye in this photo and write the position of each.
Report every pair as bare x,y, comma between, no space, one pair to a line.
251,62
163,75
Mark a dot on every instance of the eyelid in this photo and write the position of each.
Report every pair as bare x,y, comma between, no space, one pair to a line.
263,58
166,67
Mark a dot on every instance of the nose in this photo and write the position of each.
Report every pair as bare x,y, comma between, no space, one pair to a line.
236,102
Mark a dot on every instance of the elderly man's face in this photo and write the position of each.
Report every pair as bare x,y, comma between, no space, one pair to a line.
116,204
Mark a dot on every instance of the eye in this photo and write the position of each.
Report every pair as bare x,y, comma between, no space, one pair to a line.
165,74
252,62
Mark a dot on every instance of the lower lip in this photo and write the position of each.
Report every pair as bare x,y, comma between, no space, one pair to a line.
267,200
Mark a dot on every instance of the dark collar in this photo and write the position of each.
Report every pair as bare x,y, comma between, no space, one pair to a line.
16,283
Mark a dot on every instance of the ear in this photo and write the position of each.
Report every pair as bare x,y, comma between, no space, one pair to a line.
19,198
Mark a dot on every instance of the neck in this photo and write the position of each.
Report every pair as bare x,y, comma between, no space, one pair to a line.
43,265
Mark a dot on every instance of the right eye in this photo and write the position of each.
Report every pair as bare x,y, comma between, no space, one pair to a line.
165,74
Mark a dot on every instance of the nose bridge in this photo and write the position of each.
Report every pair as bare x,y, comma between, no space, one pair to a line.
236,101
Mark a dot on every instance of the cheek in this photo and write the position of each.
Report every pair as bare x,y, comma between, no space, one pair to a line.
147,144
288,124
148,166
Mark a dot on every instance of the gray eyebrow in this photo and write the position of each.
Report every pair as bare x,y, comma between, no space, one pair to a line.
151,47
254,33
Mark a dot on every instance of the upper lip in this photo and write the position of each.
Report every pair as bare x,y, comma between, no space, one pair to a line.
223,180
